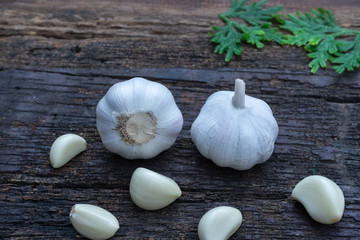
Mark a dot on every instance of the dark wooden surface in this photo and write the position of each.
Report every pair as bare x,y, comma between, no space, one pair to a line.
58,58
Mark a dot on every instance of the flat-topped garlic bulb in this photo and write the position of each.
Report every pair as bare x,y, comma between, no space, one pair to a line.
235,130
138,119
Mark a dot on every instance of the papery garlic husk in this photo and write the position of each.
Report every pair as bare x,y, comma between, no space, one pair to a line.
93,222
138,119
321,197
235,130
65,148
219,223
150,190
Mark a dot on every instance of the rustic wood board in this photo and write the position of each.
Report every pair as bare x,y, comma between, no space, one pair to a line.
58,58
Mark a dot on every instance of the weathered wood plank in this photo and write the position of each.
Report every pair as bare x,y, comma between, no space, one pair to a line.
137,34
44,104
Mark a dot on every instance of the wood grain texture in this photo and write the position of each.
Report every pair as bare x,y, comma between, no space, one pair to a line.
58,58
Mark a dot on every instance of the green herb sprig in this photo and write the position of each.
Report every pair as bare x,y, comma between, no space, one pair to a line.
256,30
316,31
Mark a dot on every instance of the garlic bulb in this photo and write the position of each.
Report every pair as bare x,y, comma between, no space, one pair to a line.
235,130
93,222
138,119
151,190
219,223
321,197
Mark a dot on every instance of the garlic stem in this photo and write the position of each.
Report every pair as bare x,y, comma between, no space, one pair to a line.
239,94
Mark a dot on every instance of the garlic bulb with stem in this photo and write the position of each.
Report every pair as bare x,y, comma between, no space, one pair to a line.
138,119
235,130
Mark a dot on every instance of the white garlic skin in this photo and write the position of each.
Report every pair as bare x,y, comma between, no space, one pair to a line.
93,222
153,120
321,197
65,148
219,223
150,190
233,136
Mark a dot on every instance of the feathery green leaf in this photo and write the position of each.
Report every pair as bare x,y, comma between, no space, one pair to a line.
318,32
327,43
252,26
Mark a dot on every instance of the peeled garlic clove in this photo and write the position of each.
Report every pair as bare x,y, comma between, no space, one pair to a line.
235,130
93,222
138,119
151,191
219,223
65,148
321,197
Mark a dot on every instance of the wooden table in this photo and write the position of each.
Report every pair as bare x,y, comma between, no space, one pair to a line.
58,58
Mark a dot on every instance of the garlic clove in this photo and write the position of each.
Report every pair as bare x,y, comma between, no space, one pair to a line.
138,119
93,222
321,197
235,130
151,191
65,148
219,223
